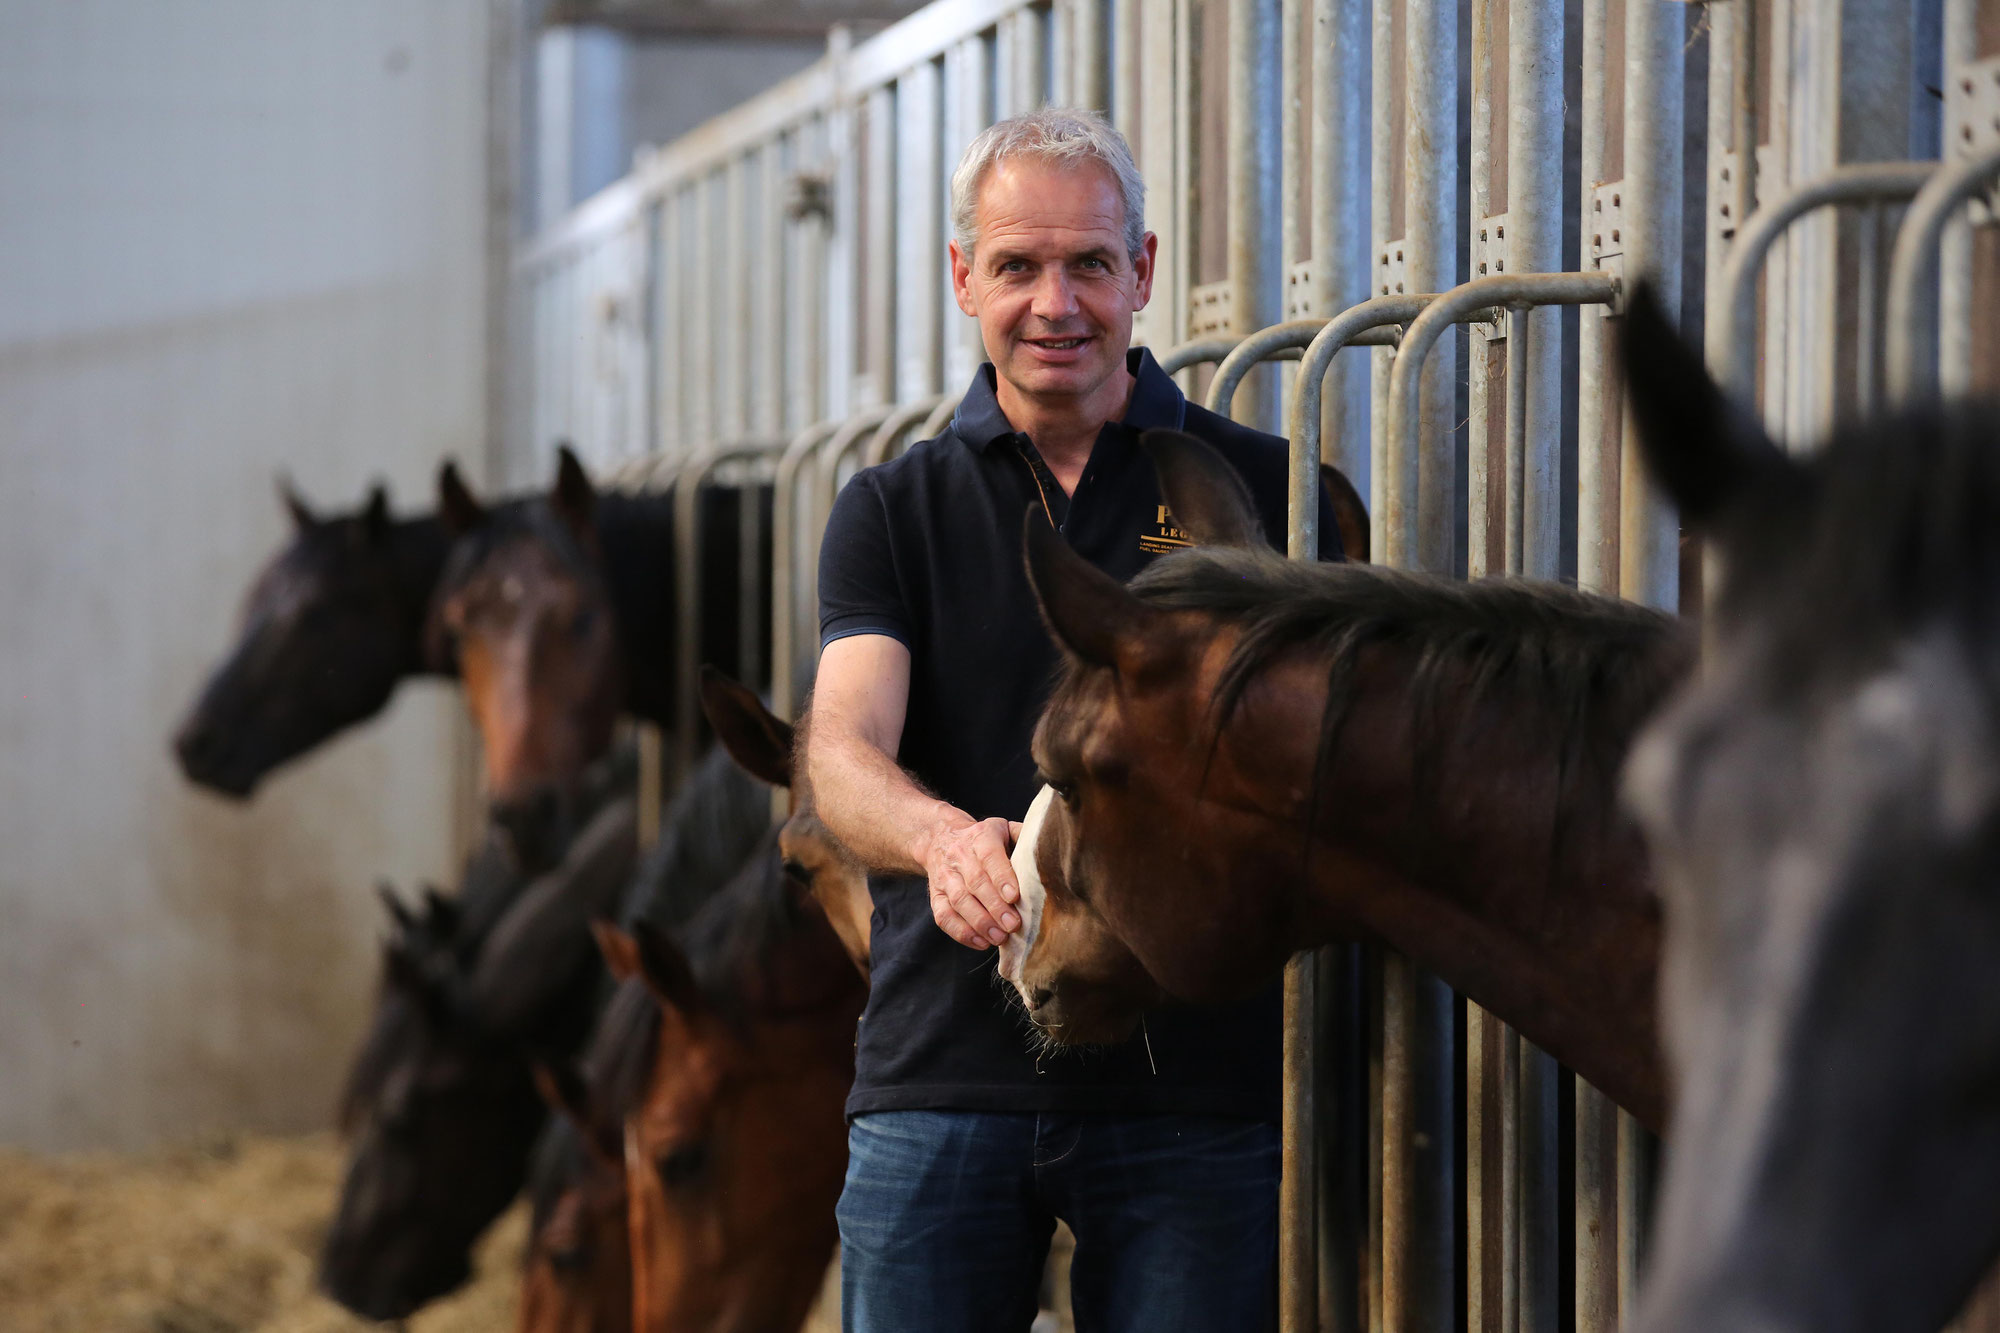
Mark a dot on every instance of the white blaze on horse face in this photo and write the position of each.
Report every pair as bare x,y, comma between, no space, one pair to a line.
1014,952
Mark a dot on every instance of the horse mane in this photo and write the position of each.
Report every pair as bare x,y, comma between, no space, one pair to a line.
1595,666
734,944
710,827
1888,529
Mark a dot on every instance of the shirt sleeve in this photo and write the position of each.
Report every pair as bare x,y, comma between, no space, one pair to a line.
859,590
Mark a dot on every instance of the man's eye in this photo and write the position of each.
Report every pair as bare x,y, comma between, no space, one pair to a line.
1014,266
1097,264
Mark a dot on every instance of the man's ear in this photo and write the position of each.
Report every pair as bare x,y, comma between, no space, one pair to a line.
1090,615
1707,452
1206,497
754,737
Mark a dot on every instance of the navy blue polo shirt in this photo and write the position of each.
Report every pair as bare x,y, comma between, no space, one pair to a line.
927,550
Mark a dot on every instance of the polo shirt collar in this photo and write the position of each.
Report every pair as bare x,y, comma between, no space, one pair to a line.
1156,401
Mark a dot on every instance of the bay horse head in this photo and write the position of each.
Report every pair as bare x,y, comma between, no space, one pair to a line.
435,1113
1124,747
1823,806
524,612
441,1108
739,1044
765,746
577,1269
328,628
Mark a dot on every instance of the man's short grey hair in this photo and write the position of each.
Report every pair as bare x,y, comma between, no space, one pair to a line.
1061,136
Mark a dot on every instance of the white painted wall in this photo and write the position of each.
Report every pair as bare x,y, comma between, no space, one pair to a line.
235,236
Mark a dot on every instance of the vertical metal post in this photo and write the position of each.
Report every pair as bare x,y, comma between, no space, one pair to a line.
1597,455
772,279
1813,268
968,98
919,231
1253,182
1775,178
733,374
1156,106
1089,75
1955,286
1482,496
1420,534
879,244
1292,173
699,278
1339,174
842,243
1655,41
1534,245
1125,72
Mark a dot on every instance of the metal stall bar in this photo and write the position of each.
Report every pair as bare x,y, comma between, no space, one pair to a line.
688,481
1340,199
1655,57
1176,359
788,587
935,423
1732,328
1596,463
1960,43
820,482
1913,275
1252,170
1279,342
882,444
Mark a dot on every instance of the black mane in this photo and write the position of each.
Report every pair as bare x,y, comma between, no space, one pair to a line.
1894,526
1595,666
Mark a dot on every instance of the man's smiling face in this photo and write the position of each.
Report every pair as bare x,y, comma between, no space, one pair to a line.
1050,280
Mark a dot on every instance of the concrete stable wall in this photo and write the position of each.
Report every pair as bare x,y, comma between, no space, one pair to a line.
235,236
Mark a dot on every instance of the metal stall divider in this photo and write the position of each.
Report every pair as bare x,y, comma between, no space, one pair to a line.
1329,194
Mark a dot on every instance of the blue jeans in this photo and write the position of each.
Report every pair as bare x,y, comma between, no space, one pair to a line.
946,1218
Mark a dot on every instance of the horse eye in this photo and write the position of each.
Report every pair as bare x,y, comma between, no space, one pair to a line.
569,1258
797,870
684,1165
584,621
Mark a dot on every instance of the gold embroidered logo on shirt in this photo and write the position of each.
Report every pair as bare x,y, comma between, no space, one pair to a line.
1169,537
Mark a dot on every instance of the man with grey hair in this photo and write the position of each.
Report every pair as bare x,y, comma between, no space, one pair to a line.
965,1143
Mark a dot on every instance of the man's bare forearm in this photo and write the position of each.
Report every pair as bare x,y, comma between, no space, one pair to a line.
876,809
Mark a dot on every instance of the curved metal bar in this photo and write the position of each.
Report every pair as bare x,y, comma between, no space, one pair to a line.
883,442
1404,544
817,484
935,423
1736,323
692,475
1368,323
1913,294
784,539
1262,345
1176,359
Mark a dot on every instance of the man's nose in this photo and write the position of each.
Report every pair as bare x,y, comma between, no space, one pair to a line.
1054,299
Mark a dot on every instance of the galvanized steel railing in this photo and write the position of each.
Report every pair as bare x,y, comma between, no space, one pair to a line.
778,276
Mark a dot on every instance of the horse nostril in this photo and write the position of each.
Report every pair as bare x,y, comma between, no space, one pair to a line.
1039,996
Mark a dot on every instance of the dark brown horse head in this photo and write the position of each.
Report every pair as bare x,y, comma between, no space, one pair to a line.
441,1107
1135,788
441,1117
329,627
765,746
524,612
740,1054
1823,806
577,1272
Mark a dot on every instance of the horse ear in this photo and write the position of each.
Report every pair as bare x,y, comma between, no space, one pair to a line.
440,912
1350,513
562,1087
573,498
295,504
1090,615
459,510
759,741
1204,494
400,915
375,514
621,951
1705,450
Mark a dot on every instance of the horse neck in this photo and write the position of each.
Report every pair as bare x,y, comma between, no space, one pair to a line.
636,535
418,548
1504,864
